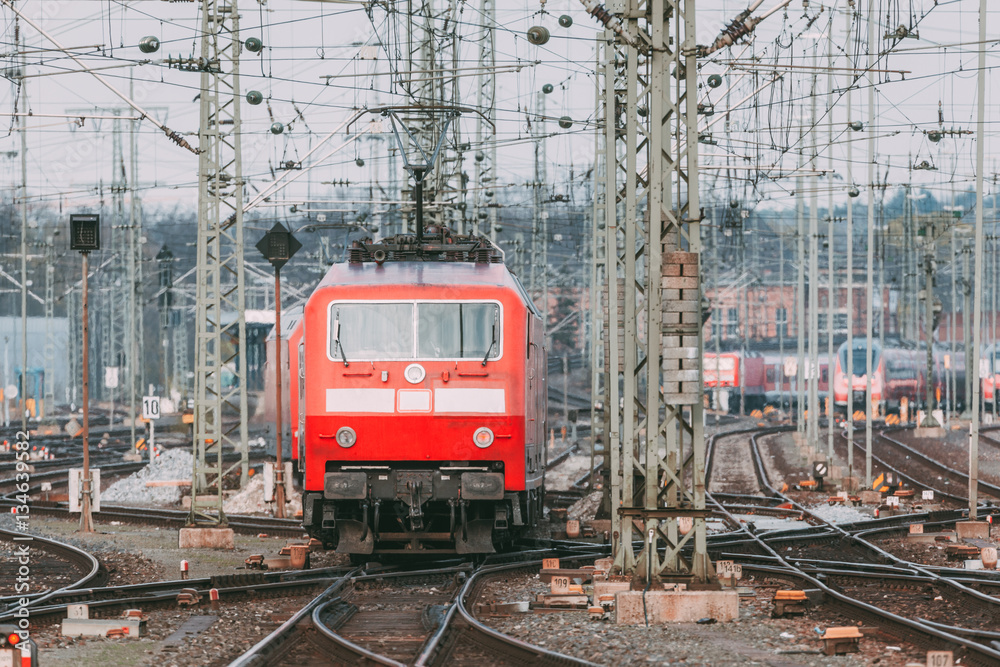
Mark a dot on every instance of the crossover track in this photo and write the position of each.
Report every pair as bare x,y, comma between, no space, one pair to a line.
845,584
409,618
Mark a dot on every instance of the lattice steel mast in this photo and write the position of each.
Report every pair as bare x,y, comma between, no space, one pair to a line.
484,212
429,81
657,462
220,334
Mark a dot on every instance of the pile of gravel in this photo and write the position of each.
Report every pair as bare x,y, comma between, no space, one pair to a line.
171,464
562,477
251,500
585,508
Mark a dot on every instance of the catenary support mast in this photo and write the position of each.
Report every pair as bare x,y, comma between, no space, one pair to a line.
220,417
657,440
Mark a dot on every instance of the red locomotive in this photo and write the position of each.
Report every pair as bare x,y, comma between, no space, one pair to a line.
420,399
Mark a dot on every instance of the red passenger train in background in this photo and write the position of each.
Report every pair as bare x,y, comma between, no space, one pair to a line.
897,373
767,378
418,399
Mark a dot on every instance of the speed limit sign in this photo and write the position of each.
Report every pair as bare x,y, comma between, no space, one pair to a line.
150,407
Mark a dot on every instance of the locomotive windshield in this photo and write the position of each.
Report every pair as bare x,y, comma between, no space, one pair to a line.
860,358
415,330
372,331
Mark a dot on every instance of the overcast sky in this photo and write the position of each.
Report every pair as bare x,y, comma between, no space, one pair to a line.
306,40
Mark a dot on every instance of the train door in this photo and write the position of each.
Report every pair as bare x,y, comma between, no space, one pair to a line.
532,416
300,428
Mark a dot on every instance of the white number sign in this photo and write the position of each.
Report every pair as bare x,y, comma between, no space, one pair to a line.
940,659
150,407
728,568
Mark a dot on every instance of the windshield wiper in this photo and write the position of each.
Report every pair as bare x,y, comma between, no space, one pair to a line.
493,342
336,339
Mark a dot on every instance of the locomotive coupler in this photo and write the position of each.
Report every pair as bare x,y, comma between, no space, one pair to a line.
364,521
416,509
465,520
451,524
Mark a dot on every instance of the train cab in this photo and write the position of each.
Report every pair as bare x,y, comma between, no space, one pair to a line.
849,393
423,406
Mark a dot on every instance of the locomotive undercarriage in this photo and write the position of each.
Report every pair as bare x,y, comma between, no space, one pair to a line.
378,509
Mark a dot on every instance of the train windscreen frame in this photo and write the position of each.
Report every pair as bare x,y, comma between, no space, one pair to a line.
415,330
860,358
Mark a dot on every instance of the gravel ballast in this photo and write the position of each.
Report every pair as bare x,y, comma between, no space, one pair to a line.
170,465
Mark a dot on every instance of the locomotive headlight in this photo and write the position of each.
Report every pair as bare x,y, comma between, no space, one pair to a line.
483,437
346,437
414,373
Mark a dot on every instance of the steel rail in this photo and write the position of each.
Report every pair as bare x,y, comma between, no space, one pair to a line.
903,628
336,646
169,598
149,590
933,463
460,625
956,588
95,572
903,475
275,645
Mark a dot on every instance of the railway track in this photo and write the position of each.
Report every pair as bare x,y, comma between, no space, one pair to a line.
112,600
868,590
916,468
48,569
406,618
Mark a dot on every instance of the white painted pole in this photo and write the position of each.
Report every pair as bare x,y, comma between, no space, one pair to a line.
850,262
870,265
977,308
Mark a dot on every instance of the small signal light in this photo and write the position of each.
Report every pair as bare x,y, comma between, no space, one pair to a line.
13,639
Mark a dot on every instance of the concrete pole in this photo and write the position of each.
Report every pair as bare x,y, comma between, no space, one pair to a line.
134,320
746,325
830,298
800,298
24,242
850,263
951,320
783,323
929,421
977,316
872,19
813,279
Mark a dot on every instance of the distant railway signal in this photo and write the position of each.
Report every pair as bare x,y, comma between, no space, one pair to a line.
85,232
278,245
85,236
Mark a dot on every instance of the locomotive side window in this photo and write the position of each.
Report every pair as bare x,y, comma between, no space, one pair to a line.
392,331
